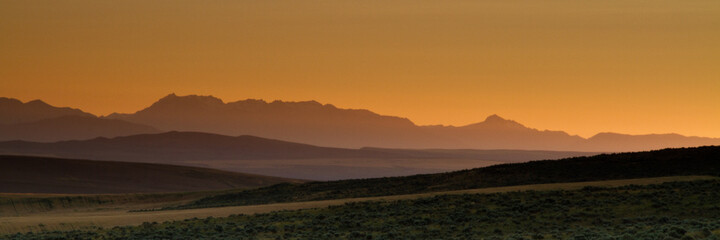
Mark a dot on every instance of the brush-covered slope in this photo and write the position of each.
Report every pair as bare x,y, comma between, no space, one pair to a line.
671,210
24,174
668,162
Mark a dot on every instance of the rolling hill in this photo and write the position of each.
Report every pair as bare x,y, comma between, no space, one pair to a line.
178,146
22,174
660,163
263,156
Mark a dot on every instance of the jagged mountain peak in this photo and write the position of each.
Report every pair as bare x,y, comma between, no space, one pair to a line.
13,111
38,102
496,122
5,100
321,124
188,99
209,100
495,118
614,136
32,103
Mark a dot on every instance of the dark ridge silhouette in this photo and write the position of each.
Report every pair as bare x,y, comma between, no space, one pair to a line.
273,157
307,122
499,133
649,141
661,163
13,111
317,124
501,156
39,121
71,127
23,174
326,125
178,146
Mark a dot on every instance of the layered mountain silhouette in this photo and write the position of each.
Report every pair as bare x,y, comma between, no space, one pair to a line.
326,125
71,127
263,156
307,122
499,133
38,121
625,142
312,123
13,111
181,146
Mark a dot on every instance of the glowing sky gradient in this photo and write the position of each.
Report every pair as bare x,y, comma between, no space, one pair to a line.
584,66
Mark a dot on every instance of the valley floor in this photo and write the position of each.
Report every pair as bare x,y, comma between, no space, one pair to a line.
111,215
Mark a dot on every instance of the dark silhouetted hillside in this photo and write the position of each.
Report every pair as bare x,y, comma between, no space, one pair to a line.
667,162
500,156
21,174
177,146
273,157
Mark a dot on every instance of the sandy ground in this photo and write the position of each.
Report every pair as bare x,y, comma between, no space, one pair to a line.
120,217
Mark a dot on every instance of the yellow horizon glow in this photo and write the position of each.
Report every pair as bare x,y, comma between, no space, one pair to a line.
584,67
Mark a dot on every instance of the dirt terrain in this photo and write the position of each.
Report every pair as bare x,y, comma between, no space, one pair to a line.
114,212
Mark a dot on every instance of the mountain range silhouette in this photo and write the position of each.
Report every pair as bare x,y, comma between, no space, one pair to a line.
250,154
307,122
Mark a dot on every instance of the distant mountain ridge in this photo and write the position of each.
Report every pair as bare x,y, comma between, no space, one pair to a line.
71,127
13,111
307,122
38,121
648,141
249,154
499,133
325,125
171,147
174,147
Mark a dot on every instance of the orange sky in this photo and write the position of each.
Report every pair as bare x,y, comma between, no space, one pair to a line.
628,66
